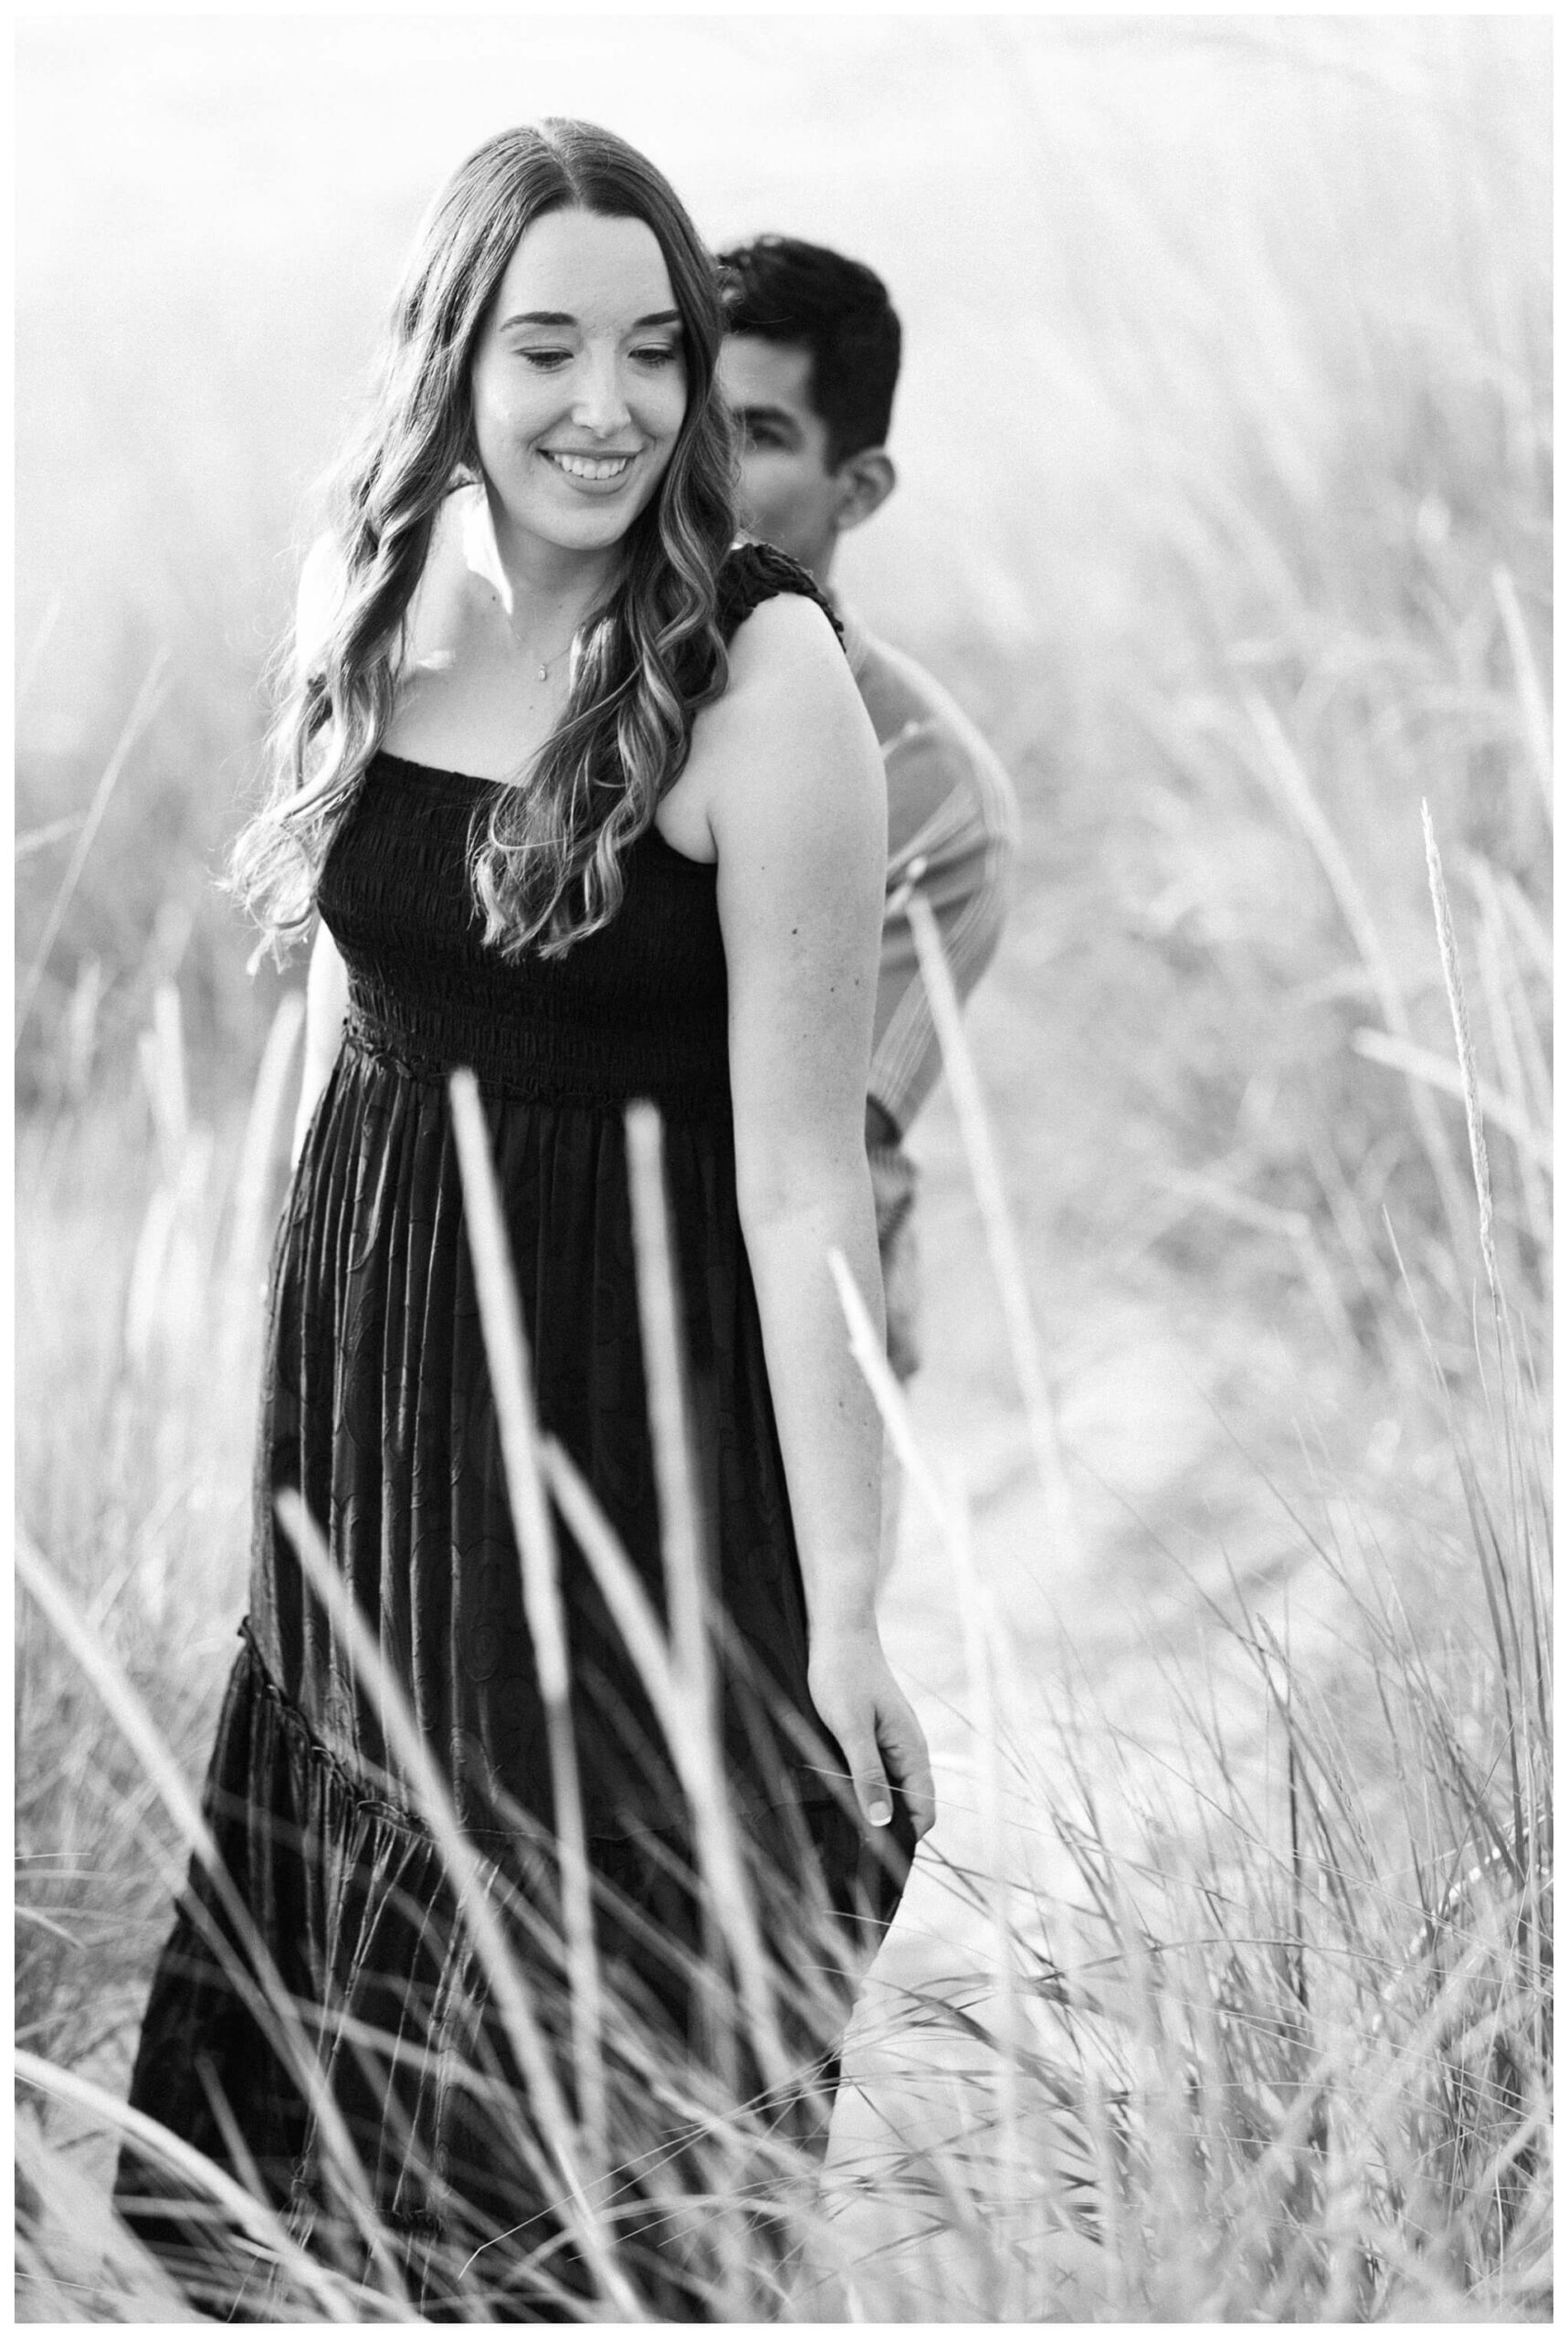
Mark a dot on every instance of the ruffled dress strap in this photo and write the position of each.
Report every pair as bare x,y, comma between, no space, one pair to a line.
754,573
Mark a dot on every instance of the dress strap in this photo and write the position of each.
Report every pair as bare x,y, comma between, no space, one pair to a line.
754,573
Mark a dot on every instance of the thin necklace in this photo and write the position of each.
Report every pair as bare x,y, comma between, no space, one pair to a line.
554,658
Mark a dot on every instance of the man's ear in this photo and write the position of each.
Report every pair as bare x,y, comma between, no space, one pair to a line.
864,481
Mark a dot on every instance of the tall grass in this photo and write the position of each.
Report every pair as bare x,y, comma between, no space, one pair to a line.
1291,2048
1274,2055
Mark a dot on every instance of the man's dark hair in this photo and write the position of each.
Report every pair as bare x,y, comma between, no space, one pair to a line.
838,309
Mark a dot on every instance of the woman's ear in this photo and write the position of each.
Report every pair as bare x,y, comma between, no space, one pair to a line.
864,481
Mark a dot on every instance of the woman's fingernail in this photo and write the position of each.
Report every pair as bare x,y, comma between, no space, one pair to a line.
881,1814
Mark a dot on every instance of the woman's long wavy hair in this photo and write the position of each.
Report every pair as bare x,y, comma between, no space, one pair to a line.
547,859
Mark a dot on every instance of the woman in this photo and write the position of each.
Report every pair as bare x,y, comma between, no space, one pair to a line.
586,801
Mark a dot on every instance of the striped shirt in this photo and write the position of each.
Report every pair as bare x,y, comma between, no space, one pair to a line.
951,806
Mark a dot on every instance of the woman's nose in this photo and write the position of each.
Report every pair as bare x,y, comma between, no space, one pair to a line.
601,398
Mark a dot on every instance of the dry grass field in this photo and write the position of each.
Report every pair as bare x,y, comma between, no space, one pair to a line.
1223,1989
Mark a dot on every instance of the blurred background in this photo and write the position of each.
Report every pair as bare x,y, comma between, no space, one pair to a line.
1217,329
1224,441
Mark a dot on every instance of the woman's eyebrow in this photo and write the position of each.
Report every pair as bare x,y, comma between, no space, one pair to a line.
563,317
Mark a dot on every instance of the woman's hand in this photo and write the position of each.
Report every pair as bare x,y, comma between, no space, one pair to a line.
853,1689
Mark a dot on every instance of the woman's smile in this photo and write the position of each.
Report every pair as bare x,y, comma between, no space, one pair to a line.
578,385
589,470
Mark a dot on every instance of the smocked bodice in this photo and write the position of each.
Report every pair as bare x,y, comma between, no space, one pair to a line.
637,1009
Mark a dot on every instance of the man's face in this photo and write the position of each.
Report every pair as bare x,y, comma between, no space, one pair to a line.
789,496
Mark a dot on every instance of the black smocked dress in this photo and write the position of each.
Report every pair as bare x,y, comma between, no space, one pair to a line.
377,1408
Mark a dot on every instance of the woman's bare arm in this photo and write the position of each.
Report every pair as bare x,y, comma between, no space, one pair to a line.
795,801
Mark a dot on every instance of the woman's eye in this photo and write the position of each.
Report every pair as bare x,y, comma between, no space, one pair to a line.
545,361
658,354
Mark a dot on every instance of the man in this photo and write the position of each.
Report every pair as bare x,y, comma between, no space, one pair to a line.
808,367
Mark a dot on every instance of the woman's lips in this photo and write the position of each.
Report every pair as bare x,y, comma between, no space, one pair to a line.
589,470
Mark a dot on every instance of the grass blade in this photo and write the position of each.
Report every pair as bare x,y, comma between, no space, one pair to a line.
664,1364
268,2233
1435,1071
1284,767
506,1346
692,1749
1536,720
136,1727
1006,1259
257,1149
148,699
1453,981
559,2148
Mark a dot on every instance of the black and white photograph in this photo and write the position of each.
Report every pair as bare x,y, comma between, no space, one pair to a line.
782,1173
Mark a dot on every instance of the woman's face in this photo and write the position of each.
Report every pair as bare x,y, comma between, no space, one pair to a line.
578,382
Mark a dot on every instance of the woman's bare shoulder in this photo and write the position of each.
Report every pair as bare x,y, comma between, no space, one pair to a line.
789,680
787,634
789,727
